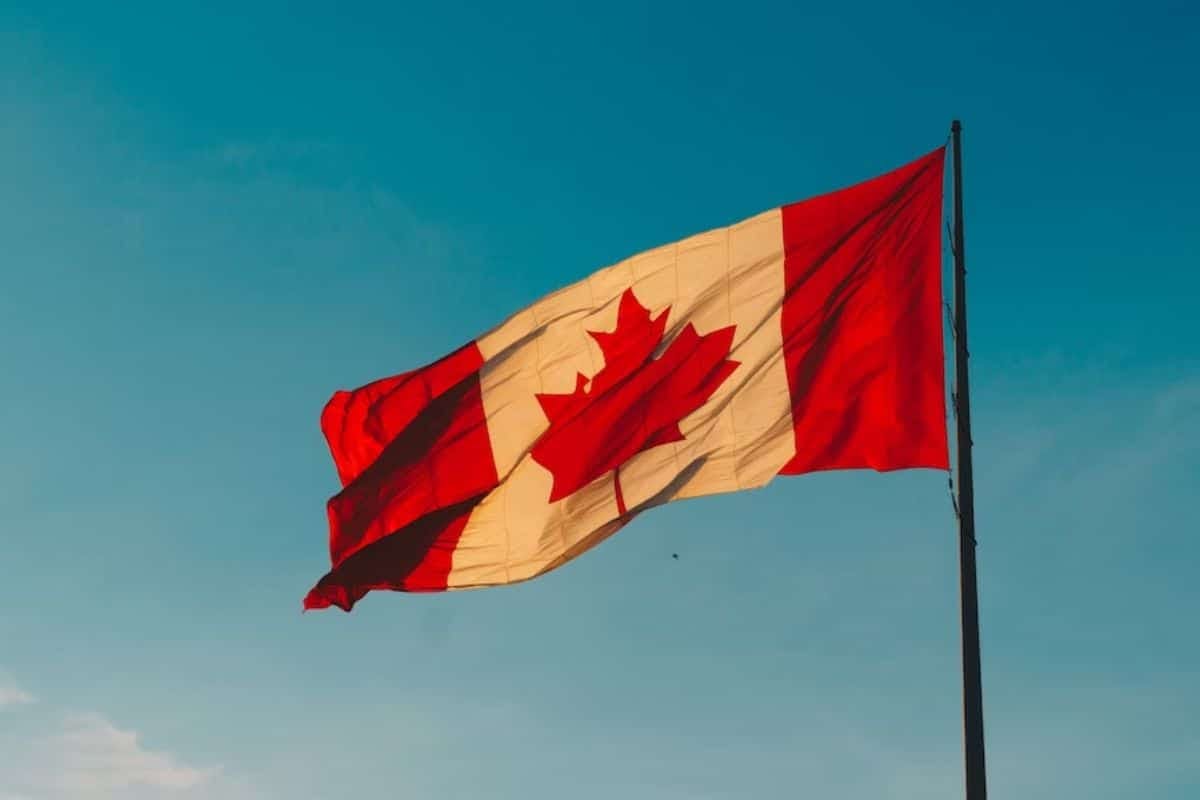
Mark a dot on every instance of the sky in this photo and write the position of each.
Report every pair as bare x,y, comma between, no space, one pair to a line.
213,217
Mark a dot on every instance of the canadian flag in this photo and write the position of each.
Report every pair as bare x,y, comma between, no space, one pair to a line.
805,338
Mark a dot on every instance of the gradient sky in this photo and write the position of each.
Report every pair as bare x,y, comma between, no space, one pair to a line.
212,219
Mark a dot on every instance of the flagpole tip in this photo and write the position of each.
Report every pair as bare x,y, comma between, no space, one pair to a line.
955,126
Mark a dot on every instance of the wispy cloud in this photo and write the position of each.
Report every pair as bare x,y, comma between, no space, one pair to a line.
88,757
49,755
270,152
12,695
93,756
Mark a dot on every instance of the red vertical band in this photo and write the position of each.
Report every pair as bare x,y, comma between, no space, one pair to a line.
862,326
415,456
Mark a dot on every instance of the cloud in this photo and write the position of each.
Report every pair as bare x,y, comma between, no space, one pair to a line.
265,153
93,757
12,695
233,154
49,755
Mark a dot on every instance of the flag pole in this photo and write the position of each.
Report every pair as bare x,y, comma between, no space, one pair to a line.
976,780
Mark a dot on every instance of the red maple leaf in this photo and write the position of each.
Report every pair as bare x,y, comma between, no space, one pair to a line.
634,402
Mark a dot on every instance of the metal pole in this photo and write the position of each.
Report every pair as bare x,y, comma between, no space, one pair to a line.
976,778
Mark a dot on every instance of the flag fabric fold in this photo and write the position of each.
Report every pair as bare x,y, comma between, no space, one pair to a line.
805,338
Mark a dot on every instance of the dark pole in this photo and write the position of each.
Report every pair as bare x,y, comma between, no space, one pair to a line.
964,482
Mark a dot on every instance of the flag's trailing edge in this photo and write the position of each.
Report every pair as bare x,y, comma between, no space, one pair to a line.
806,338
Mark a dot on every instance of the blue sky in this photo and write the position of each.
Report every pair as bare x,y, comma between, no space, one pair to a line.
211,219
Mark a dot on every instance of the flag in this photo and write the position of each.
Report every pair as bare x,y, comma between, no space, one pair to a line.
805,338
